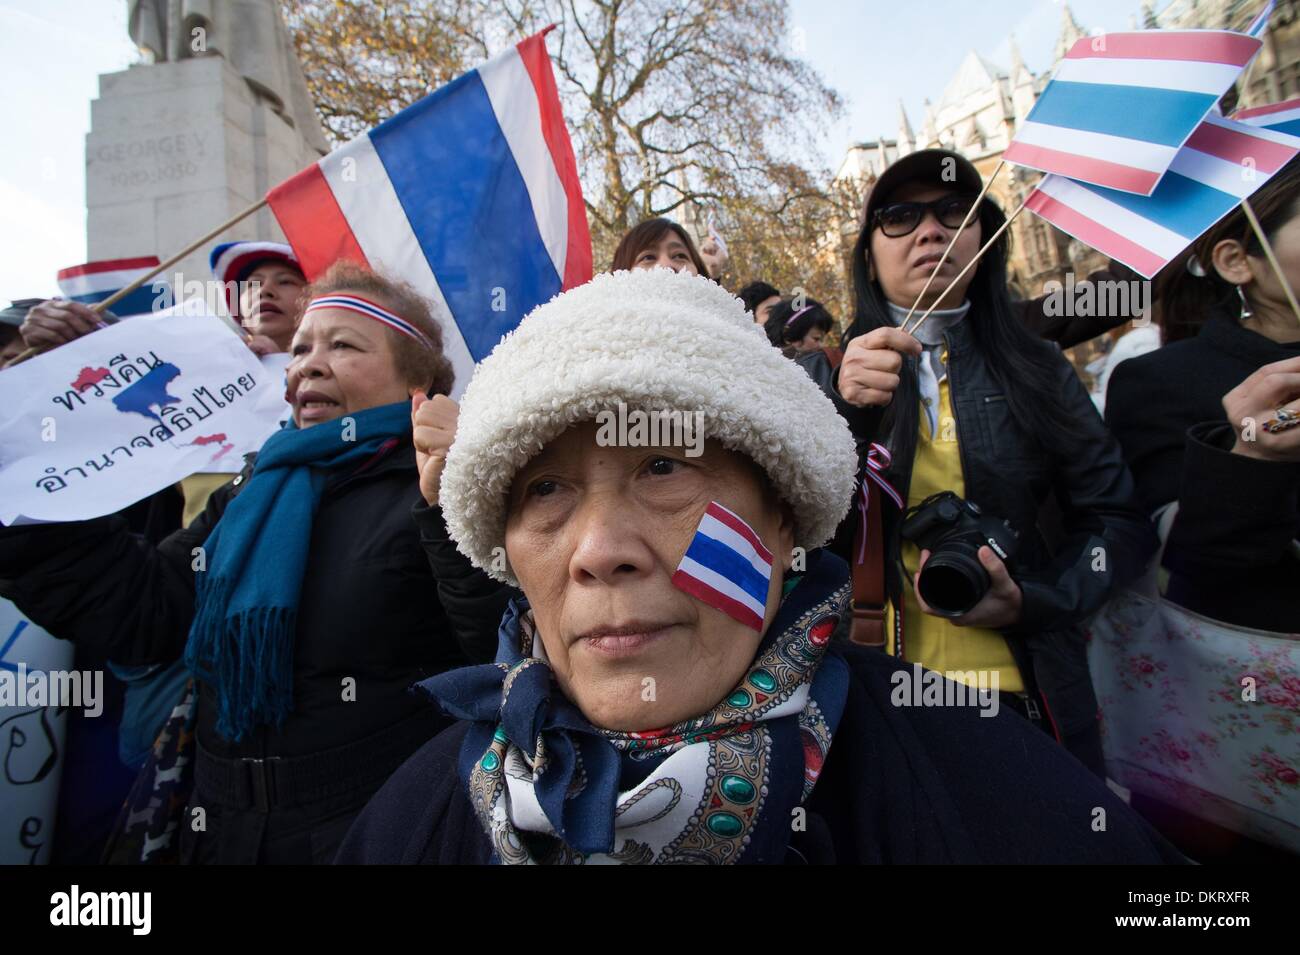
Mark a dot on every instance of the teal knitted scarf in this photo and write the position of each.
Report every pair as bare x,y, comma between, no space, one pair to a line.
246,601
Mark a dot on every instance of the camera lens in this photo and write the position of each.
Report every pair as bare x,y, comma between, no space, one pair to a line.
953,581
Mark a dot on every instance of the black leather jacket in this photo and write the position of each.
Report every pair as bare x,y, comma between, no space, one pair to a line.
1082,531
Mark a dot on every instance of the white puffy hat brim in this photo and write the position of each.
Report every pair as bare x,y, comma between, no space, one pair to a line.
652,340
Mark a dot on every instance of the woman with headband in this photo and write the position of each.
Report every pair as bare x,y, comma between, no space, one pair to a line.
303,598
797,326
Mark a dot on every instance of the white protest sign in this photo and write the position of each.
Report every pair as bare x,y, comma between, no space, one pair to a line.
31,742
270,400
107,420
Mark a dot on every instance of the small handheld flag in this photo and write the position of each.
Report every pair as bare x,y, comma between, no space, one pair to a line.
95,281
1223,163
1281,117
727,567
1260,23
1122,104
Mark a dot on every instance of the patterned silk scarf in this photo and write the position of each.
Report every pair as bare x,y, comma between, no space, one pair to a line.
721,788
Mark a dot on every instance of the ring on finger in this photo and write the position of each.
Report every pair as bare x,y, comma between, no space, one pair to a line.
1284,420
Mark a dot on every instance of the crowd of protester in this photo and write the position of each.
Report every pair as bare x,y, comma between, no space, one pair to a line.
498,709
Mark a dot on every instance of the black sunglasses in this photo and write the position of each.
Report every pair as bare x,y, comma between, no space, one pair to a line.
898,219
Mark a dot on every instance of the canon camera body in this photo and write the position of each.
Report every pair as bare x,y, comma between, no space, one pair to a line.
953,530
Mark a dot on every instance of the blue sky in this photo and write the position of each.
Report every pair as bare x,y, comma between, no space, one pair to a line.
878,51
52,51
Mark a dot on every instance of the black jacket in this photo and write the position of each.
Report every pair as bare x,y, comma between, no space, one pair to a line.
1231,553
372,606
818,367
1070,330
1070,509
382,603
900,785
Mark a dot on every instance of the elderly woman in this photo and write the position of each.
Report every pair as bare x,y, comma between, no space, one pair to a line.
666,690
301,598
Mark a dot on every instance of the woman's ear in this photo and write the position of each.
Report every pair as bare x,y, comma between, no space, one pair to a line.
1230,260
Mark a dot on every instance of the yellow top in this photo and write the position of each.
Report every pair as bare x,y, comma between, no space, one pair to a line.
196,489
934,642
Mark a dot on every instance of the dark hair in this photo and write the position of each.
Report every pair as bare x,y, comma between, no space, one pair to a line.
781,331
1023,365
1185,302
649,233
756,293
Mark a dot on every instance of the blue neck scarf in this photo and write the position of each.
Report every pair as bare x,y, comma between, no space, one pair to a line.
549,787
246,602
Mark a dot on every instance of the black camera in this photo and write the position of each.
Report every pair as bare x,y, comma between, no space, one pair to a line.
953,580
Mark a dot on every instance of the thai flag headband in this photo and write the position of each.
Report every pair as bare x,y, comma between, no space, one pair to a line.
355,303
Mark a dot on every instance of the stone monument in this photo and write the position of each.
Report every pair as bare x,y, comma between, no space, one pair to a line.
216,115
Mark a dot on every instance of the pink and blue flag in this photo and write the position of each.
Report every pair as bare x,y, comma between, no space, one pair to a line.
1260,23
470,195
1281,117
1222,163
95,281
727,567
1121,105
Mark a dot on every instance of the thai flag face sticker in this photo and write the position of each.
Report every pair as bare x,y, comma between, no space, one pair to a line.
727,567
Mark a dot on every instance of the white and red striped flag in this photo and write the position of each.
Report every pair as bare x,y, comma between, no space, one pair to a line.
1121,105
1281,117
1223,163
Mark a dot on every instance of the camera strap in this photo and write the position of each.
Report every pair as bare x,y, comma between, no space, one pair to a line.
868,571
868,627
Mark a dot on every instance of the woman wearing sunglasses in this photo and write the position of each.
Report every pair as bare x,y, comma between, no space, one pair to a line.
976,405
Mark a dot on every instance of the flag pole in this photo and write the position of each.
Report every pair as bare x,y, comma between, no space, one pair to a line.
969,265
1272,256
970,213
160,267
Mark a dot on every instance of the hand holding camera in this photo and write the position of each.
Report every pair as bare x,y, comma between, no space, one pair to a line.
963,574
1000,605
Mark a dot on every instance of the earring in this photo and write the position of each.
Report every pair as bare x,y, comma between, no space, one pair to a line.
1245,306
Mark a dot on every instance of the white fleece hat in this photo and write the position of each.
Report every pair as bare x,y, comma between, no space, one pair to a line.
652,339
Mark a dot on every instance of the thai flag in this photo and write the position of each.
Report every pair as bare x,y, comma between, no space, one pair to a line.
1279,117
471,195
1223,163
1122,104
96,281
1260,23
727,567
